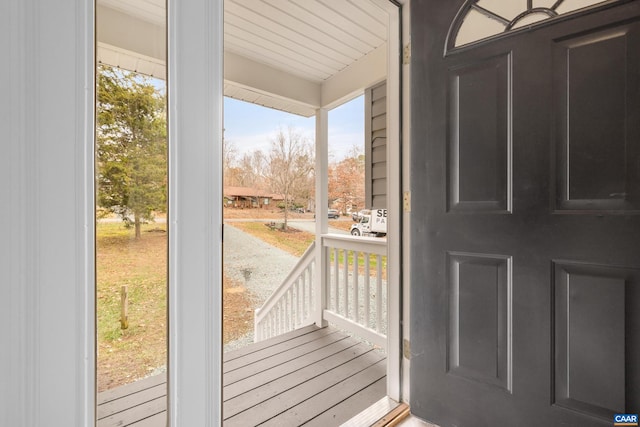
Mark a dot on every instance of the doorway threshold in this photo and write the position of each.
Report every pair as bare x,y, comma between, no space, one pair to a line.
386,412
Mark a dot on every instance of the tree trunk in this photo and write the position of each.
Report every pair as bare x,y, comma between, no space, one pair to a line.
137,226
286,213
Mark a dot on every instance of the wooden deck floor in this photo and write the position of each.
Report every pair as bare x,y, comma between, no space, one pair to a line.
311,376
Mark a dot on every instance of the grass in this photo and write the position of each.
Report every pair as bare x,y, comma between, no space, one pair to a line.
293,241
373,262
126,355
141,265
342,225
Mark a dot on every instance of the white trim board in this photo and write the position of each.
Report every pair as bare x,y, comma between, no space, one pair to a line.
48,367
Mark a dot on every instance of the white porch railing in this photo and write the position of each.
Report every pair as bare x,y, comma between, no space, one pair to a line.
355,290
290,306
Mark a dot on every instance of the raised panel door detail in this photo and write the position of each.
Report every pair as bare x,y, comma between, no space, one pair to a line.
479,137
593,337
596,80
480,317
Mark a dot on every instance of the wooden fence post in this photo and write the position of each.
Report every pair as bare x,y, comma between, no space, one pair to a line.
124,307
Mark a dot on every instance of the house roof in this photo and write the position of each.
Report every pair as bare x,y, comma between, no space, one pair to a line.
291,55
244,192
230,191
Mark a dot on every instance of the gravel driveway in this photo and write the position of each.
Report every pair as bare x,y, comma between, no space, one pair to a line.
260,266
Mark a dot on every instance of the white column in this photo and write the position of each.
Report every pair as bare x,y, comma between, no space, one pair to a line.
47,362
195,75
322,161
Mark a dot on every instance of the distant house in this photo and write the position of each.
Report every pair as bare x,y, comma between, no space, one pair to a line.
247,198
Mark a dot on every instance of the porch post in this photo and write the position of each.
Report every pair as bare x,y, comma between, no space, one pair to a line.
195,75
322,160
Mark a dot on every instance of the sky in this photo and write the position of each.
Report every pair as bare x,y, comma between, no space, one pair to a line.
251,127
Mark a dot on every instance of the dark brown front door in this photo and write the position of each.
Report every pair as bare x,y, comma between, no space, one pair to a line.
525,222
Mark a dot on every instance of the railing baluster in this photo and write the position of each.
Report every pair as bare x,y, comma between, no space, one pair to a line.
287,319
356,294
353,309
379,293
296,315
290,314
271,325
310,284
310,293
276,319
336,264
303,297
345,280
367,289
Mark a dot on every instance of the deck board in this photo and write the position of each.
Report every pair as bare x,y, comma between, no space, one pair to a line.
131,388
300,393
315,406
276,372
281,358
283,348
140,398
266,391
340,413
230,355
316,375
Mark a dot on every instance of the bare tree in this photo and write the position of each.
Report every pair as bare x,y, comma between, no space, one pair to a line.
229,160
290,164
253,169
346,180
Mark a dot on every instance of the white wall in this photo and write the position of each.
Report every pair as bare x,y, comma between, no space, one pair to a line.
46,218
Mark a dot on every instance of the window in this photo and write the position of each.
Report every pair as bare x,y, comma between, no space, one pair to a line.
481,19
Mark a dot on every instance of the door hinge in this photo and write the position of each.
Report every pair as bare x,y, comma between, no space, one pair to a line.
406,349
406,55
406,201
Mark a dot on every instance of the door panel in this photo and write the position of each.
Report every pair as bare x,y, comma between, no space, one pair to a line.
594,101
590,335
479,345
525,259
479,139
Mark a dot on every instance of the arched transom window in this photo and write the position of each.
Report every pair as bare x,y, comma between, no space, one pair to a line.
481,19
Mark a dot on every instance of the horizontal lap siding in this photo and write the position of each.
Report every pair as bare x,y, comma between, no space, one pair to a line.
376,146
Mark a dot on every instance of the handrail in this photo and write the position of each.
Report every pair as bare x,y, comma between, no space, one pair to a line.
279,313
373,245
354,293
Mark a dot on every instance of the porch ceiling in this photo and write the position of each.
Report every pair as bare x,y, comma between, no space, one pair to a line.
292,55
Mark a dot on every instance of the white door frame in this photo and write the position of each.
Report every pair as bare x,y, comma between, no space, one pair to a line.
47,277
394,238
